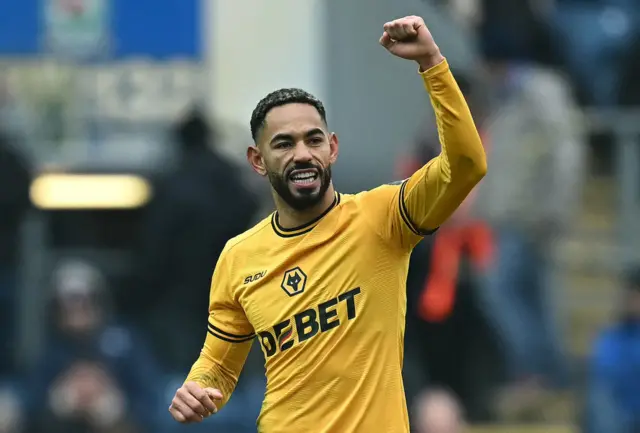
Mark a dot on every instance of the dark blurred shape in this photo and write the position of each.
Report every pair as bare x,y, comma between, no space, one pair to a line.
613,396
14,203
197,209
512,30
95,374
594,37
631,302
629,88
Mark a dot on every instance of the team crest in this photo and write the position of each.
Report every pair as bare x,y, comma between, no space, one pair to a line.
294,281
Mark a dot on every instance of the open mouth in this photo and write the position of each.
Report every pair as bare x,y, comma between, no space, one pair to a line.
304,177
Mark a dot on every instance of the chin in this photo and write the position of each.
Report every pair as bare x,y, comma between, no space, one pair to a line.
305,200
304,192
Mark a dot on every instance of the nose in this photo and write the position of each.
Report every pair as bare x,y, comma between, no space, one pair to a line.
302,153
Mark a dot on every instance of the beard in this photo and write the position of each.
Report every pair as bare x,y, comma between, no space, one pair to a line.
302,198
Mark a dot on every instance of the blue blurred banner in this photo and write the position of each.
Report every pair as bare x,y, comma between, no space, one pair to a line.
77,29
115,29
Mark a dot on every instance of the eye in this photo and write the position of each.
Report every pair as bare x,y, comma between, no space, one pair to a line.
282,145
316,140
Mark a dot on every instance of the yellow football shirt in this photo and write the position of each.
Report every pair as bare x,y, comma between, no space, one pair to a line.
326,301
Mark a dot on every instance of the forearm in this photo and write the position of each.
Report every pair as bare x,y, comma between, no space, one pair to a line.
463,156
219,365
434,192
209,374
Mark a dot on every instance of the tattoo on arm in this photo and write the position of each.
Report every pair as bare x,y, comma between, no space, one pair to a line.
206,377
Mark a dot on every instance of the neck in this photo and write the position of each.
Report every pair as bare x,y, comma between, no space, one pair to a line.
289,218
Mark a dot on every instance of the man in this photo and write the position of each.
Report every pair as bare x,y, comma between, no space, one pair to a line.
613,398
321,281
185,232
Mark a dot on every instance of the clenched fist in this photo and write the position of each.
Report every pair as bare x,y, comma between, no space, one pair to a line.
192,403
409,38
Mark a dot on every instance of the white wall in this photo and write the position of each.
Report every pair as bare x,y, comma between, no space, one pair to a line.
257,46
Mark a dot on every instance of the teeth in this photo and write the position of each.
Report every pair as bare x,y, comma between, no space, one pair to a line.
304,178
304,181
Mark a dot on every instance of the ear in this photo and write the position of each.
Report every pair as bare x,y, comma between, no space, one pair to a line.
254,156
333,147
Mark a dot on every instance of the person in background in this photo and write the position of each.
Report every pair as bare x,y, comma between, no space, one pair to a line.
529,199
464,237
15,180
613,398
198,208
95,375
444,273
438,411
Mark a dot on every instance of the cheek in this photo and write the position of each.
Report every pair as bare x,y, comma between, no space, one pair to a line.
274,165
324,157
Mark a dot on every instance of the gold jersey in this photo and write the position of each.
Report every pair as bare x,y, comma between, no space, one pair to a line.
326,301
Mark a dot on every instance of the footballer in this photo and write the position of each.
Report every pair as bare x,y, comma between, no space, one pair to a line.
320,283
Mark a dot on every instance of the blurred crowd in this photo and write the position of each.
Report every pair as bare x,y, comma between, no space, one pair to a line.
485,337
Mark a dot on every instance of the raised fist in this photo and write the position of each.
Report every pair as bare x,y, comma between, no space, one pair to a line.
409,38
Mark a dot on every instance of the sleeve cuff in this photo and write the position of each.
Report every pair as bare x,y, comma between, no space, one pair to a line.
438,69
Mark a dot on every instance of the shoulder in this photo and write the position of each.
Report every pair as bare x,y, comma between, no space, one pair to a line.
380,194
249,239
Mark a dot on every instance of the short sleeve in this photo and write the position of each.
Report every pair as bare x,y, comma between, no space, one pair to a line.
227,319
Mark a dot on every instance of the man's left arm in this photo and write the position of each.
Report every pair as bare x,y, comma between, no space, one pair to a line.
402,215
436,190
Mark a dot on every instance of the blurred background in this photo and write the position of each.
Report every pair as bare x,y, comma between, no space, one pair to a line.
123,127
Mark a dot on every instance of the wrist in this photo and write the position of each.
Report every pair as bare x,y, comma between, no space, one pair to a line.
430,61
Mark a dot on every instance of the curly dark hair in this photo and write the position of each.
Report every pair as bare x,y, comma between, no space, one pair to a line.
282,97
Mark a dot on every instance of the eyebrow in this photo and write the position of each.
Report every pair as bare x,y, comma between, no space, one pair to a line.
308,134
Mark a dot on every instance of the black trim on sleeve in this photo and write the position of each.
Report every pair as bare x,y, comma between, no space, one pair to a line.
226,336
402,206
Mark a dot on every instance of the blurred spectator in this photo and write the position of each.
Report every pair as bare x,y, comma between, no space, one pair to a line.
530,198
95,375
438,411
594,37
613,399
14,202
447,339
464,238
197,209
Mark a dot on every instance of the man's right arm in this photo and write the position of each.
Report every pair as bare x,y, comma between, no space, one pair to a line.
220,362
215,374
